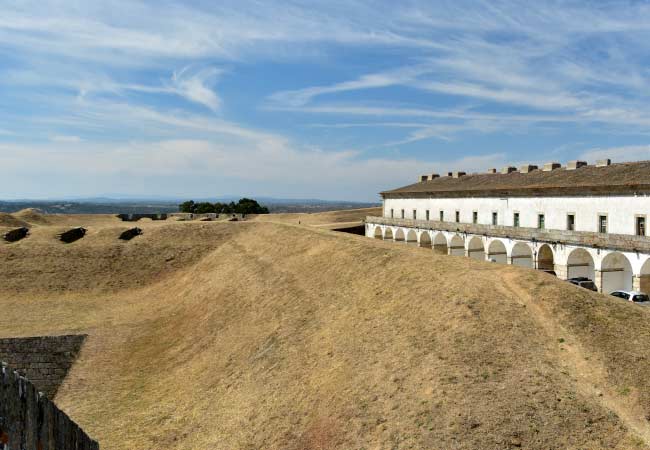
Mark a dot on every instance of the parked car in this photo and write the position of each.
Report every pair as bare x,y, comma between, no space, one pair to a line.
583,282
633,296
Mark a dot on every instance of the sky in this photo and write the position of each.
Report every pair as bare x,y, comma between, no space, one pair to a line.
336,100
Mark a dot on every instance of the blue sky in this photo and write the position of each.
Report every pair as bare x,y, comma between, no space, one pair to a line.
332,99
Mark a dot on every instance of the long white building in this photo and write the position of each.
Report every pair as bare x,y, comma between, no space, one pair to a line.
577,220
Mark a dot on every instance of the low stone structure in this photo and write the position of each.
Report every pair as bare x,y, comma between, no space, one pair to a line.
136,217
129,234
30,421
16,234
45,360
73,234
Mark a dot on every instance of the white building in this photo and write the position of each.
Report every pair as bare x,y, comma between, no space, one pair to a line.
578,220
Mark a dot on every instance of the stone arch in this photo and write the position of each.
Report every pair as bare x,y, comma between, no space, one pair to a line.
522,255
456,245
440,244
643,279
497,252
616,273
580,264
399,235
545,258
378,233
388,234
476,249
425,239
411,237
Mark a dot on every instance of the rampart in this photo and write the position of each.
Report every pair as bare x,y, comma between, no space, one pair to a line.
45,360
30,421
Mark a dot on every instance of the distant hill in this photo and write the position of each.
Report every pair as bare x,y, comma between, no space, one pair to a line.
130,206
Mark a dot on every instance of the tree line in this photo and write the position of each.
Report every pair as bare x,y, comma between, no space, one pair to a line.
243,206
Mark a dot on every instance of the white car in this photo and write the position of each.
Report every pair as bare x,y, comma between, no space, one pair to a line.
632,296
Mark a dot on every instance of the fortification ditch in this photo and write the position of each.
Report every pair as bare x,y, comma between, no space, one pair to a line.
30,421
45,360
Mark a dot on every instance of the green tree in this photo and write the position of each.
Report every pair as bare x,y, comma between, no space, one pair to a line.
187,207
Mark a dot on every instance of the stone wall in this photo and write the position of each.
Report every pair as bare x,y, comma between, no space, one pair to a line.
30,421
45,360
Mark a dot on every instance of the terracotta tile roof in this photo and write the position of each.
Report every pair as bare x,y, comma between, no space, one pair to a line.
620,178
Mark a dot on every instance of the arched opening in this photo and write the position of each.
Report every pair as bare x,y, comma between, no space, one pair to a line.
457,246
616,272
522,255
399,235
643,284
440,244
580,264
497,252
378,234
388,234
425,240
545,259
475,248
412,237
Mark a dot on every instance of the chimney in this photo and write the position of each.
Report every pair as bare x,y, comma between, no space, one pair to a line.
603,162
551,166
492,171
573,165
508,169
527,168
458,174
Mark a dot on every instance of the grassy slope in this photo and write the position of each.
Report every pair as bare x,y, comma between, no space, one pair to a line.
264,335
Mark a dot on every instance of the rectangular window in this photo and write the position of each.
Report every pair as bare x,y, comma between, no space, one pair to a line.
442,216
427,213
571,222
402,214
640,226
515,219
495,218
457,216
392,214
415,214
602,224
541,221
475,217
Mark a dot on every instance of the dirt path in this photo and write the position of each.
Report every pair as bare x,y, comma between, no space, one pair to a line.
583,366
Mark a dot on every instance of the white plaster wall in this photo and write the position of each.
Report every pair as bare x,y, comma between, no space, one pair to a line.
620,210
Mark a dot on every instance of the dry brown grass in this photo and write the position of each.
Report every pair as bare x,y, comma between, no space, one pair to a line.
269,336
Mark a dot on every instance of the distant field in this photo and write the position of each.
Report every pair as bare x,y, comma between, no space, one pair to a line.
274,334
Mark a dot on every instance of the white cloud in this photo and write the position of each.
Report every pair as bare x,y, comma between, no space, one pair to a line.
618,154
69,139
194,86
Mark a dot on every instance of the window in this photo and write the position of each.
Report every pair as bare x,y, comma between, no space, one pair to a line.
415,214
495,218
457,216
541,221
475,217
515,219
402,214
571,222
442,216
392,213
640,226
602,224
427,214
